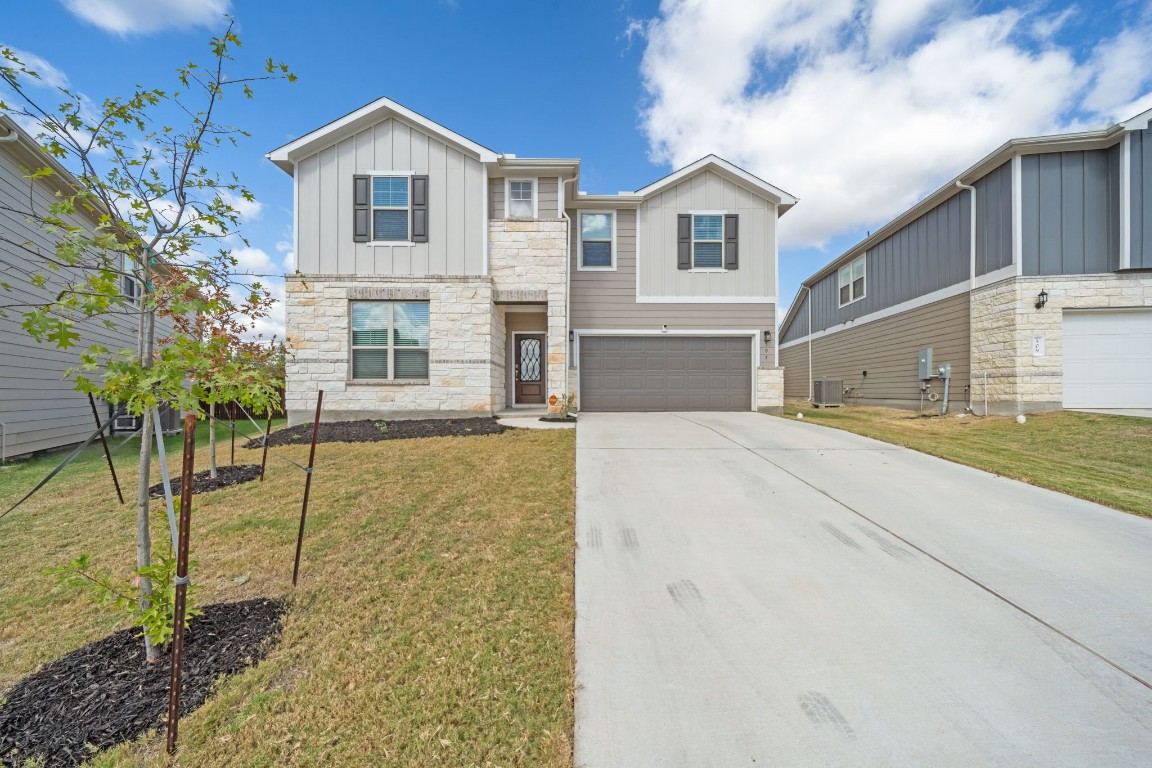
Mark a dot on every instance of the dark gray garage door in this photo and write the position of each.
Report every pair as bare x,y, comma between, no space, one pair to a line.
665,373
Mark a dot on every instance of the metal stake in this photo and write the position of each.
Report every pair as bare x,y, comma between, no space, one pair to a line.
232,426
107,454
307,486
181,581
267,434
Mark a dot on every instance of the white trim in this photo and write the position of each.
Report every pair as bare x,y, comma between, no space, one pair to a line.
706,270
372,207
389,243
580,242
508,198
714,161
995,276
753,335
1017,214
296,216
385,173
559,197
851,281
639,218
705,299
369,114
896,309
775,219
1126,202
723,239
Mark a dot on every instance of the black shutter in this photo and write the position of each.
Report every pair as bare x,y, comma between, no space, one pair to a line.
731,230
684,246
419,209
361,209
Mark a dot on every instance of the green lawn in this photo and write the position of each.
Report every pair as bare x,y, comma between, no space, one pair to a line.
433,623
1102,458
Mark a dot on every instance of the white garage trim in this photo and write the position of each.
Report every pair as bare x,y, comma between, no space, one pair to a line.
1107,358
753,334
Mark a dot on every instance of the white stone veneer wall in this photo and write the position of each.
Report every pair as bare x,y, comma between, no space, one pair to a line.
1005,321
460,380
532,256
770,389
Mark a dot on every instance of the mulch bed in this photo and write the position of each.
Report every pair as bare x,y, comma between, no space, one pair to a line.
201,482
372,430
106,693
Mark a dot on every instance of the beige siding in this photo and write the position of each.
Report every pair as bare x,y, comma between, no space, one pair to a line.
324,205
794,361
547,189
607,300
888,348
496,198
707,191
39,407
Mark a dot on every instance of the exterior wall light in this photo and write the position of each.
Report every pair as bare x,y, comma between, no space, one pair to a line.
571,336
767,337
1042,299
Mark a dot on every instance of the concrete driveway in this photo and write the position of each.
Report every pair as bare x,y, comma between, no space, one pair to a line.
759,591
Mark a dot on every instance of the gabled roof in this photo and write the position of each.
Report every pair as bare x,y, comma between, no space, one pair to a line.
1096,138
370,114
724,168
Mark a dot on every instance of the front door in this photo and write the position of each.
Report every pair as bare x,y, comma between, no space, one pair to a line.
529,370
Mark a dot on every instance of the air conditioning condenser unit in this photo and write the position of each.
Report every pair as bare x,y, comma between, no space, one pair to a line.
828,393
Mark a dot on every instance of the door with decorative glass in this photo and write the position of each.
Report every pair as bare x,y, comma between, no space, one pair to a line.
529,369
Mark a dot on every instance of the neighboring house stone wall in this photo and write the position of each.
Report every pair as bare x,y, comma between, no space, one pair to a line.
529,257
1005,321
461,355
770,390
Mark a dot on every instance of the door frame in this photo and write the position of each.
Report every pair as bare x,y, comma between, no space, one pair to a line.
511,368
753,334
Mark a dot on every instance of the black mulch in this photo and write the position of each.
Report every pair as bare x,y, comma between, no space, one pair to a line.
105,693
201,482
371,430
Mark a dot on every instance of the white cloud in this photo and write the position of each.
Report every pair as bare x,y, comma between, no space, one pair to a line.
249,210
254,261
130,17
49,75
860,107
272,325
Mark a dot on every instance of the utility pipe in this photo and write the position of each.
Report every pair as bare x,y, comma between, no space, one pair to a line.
569,346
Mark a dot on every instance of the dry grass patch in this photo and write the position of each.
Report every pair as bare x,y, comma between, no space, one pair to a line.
432,625
1102,458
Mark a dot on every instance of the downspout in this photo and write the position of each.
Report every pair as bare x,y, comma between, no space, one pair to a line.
971,288
568,345
3,443
13,136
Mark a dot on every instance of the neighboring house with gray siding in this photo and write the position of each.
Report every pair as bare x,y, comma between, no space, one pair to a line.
1041,300
438,277
39,406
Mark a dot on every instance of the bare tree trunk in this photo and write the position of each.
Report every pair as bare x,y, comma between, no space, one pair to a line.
143,534
212,440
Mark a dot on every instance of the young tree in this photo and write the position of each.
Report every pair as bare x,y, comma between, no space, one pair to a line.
164,224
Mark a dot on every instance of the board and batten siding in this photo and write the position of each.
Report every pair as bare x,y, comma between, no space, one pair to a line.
798,328
607,299
1140,186
456,224
888,350
926,255
1070,212
707,191
39,407
547,194
794,361
994,220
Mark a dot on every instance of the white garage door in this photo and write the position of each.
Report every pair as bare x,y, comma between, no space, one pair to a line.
1108,359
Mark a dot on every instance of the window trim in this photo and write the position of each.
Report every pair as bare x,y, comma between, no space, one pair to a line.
129,280
372,242
692,244
862,259
391,346
508,198
580,240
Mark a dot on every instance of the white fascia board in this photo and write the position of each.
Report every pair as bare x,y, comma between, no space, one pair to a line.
1138,122
608,201
564,167
777,195
706,300
659,332
381,109
793,308
896,309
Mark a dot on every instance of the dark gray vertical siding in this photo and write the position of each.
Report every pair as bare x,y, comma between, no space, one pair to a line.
994,220
1069,215
927,255
798,328
1141,189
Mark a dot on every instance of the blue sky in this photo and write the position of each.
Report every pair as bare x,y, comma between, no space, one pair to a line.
858,107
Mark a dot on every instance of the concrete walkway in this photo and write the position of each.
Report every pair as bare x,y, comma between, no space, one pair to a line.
757,591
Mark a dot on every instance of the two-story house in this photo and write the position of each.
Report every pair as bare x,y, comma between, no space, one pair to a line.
437,277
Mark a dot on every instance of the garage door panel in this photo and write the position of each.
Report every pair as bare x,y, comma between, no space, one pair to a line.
1108,359
660,373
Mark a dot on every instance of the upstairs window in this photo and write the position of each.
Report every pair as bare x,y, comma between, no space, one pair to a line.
852,281
129,285
596,240
390,340
522,199
707,241
390,210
